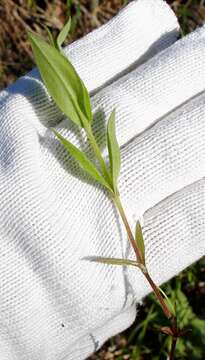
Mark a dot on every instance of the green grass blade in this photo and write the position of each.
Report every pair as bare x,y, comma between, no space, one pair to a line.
62,81
86,103
50,36
168,302
82,160
113,149
111,261
63,34
85,99
140,240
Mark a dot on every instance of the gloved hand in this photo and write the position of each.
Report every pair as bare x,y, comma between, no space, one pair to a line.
54,305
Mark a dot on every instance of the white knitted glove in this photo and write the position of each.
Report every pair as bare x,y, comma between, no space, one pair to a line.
55,306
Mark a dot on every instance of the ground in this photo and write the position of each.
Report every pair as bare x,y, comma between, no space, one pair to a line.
19,16
141,341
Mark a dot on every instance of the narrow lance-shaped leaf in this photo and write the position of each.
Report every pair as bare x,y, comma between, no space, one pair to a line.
111,261
85,99
63,34
113,149
82,160
50,36
140,240
62,81
85,102
168,302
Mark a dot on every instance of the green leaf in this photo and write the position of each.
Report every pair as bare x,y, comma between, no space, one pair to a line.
113,149
85,99
140,240
85,102
82,160
63,34
50,36
168,302
111,261
62,81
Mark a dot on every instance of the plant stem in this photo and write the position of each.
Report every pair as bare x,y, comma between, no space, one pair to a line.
159,296
140,260
173,347
144,271
119,206
97,153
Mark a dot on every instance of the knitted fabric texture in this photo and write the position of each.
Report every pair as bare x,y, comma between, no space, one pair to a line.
53,304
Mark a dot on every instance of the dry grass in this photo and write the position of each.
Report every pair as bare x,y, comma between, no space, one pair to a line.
19,16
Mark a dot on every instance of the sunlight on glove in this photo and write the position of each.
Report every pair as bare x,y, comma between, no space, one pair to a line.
54,305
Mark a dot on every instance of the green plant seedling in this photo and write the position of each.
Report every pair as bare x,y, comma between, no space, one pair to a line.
71,96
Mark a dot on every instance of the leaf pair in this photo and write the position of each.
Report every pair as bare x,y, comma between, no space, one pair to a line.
57,43
141,247
63,34
71,96
82,160
62,81
88,166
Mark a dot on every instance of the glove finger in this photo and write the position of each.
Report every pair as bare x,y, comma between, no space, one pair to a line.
102,55
50,212
165,158
174,236
89,344
142,29
154,89
147,94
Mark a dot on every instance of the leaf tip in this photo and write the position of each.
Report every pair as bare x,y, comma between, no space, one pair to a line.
139,238
31,35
